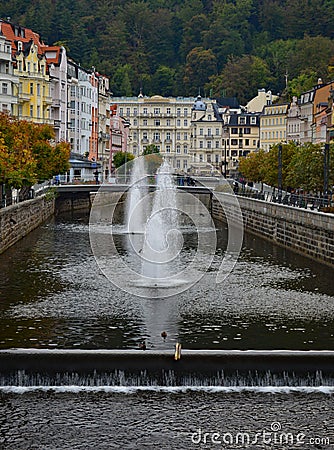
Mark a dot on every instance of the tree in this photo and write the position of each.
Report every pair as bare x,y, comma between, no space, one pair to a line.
200,65
151,148
241,78
27,154
122,158
306,168
251,166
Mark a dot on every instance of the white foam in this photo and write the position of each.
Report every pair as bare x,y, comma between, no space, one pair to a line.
327,390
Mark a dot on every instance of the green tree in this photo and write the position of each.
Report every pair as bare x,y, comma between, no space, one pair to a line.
151,148
252,166
241,78
201,64
122,158
306,168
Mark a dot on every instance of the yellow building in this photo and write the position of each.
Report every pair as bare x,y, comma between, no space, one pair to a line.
30,66
273,125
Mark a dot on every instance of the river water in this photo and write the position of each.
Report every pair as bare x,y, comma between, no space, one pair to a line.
53,295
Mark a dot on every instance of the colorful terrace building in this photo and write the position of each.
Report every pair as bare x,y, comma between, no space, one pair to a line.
30,66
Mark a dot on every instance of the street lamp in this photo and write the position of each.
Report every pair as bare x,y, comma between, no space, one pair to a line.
225,129
326,170
280,181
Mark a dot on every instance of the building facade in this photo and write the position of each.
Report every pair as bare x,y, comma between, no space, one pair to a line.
273,125
9,82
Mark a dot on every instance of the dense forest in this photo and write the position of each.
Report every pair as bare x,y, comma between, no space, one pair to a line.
182,47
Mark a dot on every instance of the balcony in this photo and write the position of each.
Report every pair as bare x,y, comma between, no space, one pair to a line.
56,124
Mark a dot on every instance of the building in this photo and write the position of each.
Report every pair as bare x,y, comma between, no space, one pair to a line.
243,137
294,122
30,66
262,99
273,125
205,138
9,83
57,63
162,121
104,132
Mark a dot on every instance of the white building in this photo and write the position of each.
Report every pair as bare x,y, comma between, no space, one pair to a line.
8,81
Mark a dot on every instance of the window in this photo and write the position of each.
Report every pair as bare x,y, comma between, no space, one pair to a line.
156,111
242,120
178,148
178,136
5,88
135,111
217,159
127,111
185,136
38,111
246,141
168,111
201,131
209,144
145,135
185,112
234,141
208,158
185,122
217,131
178,122
168,122
185,164
145,122
253,120
31,111
38,89
247,130
135,122
157,122
121,111
200,144
185,149
156,136
31,88
168,148
217,144
234,131
178,163
200,158
178,112
168,136
144,111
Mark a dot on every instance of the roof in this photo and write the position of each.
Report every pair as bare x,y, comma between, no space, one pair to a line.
15,33
231,102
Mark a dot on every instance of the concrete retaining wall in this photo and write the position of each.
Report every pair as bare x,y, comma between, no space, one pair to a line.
18,220
310,233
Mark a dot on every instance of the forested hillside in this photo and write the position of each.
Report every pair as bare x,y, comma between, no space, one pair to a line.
178,47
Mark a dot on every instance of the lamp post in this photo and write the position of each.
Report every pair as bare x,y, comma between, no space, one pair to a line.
280,187
225,129
326,170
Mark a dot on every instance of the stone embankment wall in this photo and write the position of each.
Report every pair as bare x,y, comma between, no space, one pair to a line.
16,221
310,233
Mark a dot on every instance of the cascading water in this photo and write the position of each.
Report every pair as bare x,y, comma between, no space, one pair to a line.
162,237
136,214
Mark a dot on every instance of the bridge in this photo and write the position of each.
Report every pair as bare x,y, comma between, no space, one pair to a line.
88,188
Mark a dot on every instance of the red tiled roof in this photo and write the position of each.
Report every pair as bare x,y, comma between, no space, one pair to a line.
52,48
8,30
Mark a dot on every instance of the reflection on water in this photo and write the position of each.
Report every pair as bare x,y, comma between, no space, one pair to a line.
54,295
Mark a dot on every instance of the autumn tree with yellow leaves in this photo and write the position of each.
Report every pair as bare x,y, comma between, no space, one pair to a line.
28,153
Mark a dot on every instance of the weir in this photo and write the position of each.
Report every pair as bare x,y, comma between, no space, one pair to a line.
29,367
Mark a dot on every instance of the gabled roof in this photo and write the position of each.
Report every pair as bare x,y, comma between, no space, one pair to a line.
16,33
